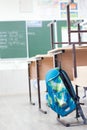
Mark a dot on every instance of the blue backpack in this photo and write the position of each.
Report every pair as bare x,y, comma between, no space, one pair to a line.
61,96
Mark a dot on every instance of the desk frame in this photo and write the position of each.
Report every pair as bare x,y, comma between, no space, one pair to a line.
38,78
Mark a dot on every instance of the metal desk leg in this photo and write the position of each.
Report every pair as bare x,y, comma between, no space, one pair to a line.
29,85
38,84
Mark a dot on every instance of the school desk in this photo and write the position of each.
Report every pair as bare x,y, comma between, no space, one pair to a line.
37,68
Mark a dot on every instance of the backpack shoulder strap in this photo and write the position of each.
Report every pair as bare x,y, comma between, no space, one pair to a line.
68,84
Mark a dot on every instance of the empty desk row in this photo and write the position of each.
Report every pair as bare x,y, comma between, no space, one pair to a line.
40,64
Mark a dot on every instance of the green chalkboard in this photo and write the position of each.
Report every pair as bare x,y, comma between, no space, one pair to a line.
13,39
38,38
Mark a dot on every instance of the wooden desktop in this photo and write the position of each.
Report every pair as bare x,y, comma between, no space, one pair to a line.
66,58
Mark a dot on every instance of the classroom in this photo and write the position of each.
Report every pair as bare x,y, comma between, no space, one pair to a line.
43,67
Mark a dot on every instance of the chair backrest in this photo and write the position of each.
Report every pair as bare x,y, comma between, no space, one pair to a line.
60,92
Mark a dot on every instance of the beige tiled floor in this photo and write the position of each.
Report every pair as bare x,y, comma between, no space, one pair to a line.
16,113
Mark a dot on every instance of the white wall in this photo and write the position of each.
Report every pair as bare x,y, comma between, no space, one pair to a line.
13,77
28,9
10,10
35,9
82,9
